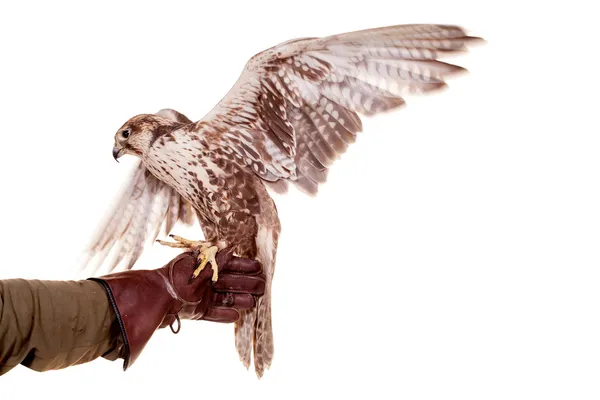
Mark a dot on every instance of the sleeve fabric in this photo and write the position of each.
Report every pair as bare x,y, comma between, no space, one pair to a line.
47,325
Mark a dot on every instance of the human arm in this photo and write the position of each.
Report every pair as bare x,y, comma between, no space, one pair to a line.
47,325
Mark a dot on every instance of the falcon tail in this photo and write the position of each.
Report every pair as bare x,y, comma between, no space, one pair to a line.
254,330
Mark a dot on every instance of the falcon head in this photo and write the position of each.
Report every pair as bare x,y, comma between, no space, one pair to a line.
136,135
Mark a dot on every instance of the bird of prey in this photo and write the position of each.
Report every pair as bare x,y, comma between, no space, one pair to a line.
294,110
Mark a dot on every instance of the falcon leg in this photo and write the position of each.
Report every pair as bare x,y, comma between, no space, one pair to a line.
207,250
207,254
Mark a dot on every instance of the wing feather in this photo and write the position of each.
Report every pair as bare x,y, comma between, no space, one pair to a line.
296,107
144,207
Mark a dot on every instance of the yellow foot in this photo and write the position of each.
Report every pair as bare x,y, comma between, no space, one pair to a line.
208,251
207,255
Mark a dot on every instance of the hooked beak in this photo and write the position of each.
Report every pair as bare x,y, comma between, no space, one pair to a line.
116,153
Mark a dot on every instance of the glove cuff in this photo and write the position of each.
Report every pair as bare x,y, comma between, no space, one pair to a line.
126,353
140,304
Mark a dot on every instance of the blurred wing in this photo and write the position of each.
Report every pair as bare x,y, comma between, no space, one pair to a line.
295,108
145,205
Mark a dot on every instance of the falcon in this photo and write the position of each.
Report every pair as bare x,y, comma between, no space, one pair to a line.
294,110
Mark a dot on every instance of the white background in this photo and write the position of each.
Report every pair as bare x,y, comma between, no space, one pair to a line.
452,254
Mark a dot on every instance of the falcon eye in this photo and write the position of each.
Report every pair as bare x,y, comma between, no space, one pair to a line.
125,133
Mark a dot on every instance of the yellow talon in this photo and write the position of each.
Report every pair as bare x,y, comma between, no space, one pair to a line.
207,254
172,244
187,242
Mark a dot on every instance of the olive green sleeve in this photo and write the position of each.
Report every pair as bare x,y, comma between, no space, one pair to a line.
46,325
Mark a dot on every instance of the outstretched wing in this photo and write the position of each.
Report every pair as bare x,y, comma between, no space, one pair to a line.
295,108
145,205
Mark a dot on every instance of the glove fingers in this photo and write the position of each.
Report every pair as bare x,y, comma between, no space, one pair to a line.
242,266
238,301
221,314
240,284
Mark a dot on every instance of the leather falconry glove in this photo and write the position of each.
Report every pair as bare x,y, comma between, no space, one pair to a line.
147,300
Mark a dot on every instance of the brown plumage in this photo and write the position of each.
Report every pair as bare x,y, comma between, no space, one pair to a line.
293,111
